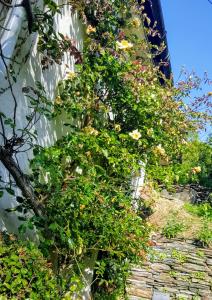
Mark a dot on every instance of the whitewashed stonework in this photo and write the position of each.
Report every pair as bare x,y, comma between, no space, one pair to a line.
26,63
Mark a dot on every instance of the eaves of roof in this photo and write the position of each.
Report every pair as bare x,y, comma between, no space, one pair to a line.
153,10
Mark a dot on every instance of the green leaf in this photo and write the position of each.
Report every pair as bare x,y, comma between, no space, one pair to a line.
53,226
105,152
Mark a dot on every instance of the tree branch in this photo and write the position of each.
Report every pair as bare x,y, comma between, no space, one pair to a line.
20,179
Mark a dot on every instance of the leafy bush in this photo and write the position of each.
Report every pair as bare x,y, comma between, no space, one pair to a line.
94,200
24,273
192,164
201,210
205,234
173,227
117,113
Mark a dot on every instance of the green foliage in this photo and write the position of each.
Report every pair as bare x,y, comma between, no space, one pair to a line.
113,273
90,187
205,212
173,227
194,154
199,275
192,164
179,256
117,114
202,210
24,273
205,234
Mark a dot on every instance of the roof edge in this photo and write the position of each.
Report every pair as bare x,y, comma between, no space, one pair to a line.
153,10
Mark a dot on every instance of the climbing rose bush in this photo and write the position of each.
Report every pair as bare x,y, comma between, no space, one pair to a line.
116,110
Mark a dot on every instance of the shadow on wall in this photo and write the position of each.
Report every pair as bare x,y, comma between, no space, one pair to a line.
27,71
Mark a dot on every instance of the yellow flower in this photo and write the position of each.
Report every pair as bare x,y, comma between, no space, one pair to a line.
117,127
184,142
164,161
209,94
136,22
160,150
58,100
91,130
70,75
150,131
135,134
90,29
88,153
196,170
124,45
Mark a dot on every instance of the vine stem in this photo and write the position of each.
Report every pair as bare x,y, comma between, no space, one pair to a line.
20,178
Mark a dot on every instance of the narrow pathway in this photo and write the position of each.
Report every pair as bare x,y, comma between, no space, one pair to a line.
174,269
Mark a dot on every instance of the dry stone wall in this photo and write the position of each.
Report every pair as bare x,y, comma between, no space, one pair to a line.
174,269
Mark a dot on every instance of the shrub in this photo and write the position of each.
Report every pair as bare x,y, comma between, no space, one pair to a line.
24,272
201,210
205,234
172,227
117,113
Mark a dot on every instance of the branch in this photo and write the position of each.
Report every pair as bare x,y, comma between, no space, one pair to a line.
3,129
20,179
10,5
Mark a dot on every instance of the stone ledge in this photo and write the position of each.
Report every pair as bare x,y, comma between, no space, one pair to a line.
186,272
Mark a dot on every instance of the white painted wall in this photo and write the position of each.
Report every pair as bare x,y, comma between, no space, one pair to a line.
27,69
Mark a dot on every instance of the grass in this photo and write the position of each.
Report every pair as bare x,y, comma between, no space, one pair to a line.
202,210
184,220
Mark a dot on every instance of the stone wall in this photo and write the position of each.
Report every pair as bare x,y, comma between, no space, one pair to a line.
27,69
174,269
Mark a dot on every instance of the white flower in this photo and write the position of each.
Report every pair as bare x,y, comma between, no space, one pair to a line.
135,134
124,45
78,170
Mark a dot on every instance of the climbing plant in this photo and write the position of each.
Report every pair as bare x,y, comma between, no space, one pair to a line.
117,113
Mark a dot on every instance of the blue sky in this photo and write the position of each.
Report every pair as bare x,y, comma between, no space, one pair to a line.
189,32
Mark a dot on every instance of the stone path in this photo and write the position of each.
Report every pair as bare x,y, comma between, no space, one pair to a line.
175,269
